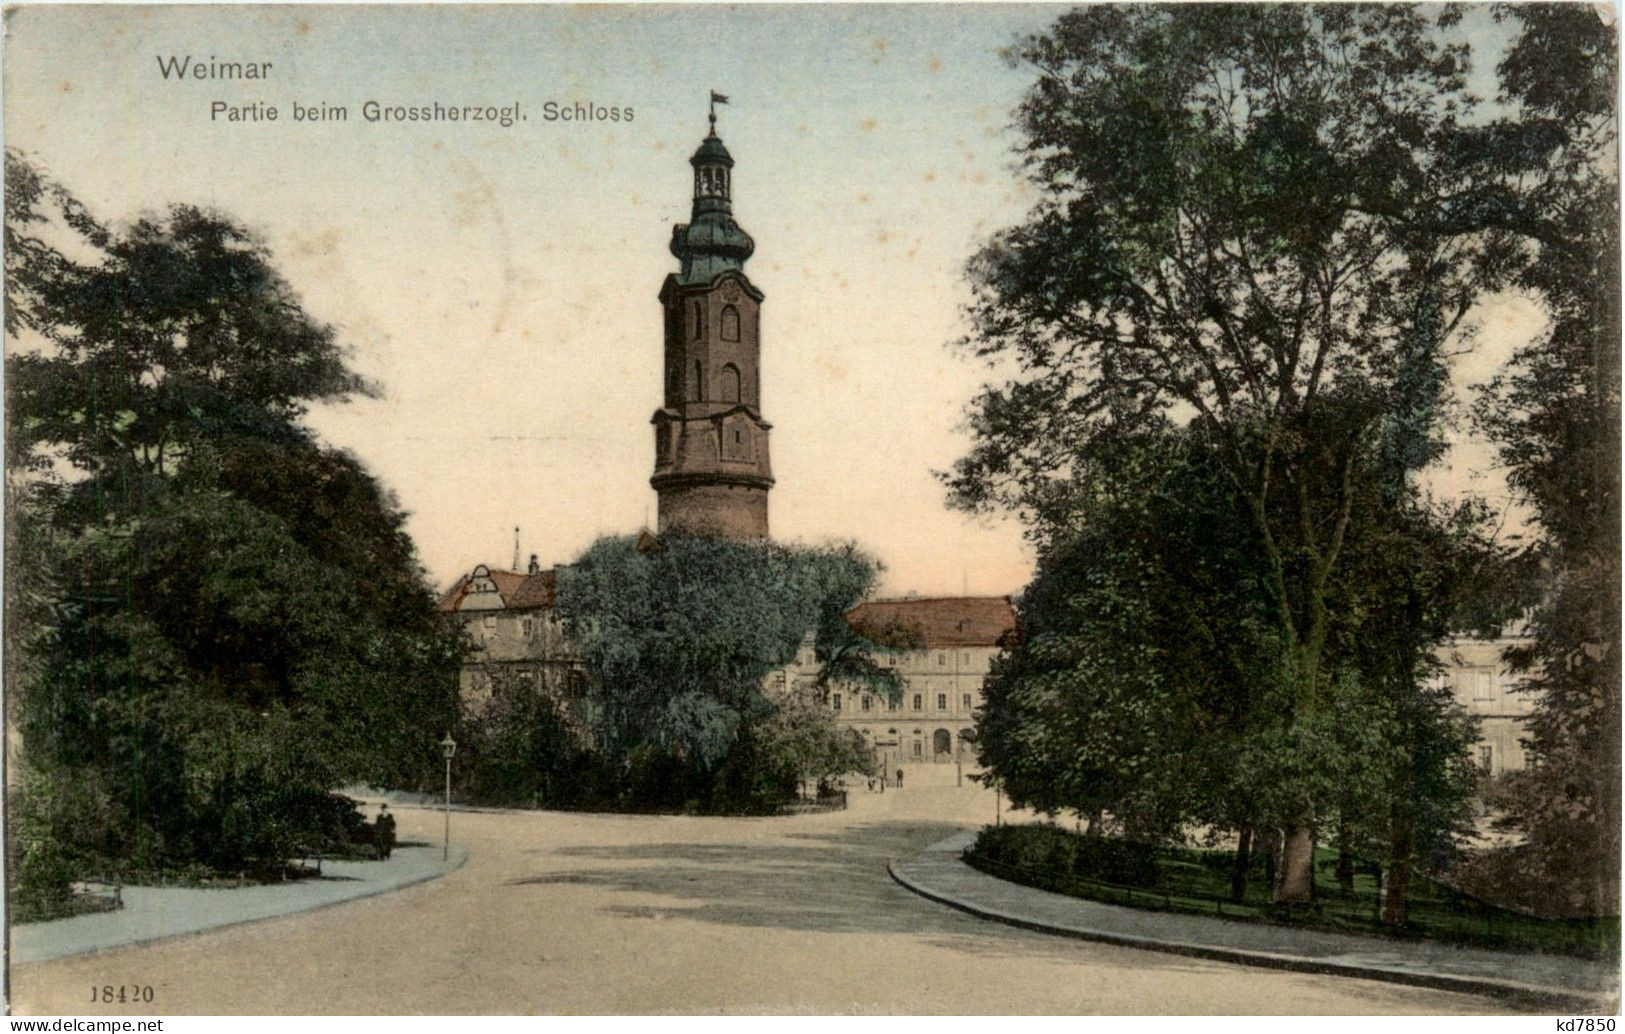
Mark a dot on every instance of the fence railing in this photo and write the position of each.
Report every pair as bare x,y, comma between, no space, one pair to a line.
1482,925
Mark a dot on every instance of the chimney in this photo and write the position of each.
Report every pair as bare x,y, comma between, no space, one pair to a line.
535,565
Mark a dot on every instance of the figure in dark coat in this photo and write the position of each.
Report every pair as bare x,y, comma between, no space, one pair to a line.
385,832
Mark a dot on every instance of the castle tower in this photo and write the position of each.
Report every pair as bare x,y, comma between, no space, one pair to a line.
711,463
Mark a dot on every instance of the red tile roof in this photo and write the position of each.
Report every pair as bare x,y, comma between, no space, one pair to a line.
942,622
518,591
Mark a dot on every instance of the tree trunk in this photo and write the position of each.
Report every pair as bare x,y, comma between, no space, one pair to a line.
1238,871
1397,873
1345,859
1295,879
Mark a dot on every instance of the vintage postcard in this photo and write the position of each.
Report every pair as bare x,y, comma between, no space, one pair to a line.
886,509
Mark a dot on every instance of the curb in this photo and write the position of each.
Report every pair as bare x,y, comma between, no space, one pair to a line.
1557,999
459,859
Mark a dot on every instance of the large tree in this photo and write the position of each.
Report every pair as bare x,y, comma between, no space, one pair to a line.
230,619
679,639
1241,222
1149,687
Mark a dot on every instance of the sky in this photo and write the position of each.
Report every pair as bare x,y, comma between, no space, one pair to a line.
499,284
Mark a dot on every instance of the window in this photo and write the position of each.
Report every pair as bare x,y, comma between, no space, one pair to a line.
1485,756
530,627
699,381
964,658
918,748
942,701
892,705
730,384
865,703
730,323
942,658
1484,684
835,699
918,702
699,320
964,701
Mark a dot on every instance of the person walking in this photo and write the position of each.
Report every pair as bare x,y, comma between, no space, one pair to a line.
899,779
385,832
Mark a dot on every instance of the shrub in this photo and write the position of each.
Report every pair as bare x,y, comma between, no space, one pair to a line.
1056,854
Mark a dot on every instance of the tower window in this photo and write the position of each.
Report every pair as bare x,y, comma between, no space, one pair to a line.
730,381
699,381
730,323
699,320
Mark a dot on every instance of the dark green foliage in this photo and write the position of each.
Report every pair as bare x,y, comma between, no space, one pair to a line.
1270,221
1150,690
524,748
1555,414
679,643
1198,881
1055,853
225,618
1147,651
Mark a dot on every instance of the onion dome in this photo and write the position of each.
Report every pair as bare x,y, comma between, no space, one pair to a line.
711,243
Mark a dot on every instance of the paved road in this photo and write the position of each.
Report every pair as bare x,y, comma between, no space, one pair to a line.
559,913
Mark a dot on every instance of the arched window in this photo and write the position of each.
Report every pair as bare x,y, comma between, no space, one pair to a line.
730,375
699,381
730,323
699,320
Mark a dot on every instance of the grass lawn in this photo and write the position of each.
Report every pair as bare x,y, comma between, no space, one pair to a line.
1198,881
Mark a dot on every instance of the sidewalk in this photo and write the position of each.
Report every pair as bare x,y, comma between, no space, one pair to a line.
1544,981
151,913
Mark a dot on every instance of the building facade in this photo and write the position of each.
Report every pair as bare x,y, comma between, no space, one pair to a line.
712,471
516,635
1481,682
955,640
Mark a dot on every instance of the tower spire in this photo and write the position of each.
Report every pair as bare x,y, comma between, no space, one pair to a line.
711,443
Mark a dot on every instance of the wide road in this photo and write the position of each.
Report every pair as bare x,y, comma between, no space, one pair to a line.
565,913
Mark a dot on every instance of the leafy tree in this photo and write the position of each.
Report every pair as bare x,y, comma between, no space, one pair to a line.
1406,781
1141,655
1555,414
1241,221
679,643
525,748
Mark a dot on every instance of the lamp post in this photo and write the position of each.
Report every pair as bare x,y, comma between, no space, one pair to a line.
448,747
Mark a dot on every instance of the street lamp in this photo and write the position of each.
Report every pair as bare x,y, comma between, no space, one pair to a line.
448,747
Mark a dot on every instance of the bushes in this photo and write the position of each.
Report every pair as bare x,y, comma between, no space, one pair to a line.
1052,852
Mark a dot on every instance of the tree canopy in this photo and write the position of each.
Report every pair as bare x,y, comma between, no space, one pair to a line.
679,643
1269,223
227,619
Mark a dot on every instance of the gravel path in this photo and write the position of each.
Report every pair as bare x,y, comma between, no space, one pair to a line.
566,913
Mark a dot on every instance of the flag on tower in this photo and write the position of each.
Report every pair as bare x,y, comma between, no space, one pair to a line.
717,98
